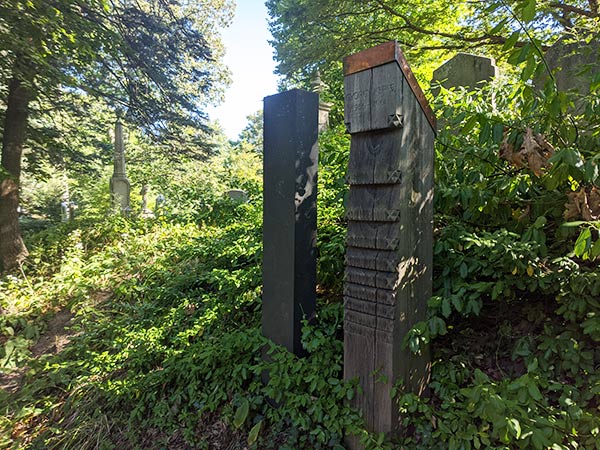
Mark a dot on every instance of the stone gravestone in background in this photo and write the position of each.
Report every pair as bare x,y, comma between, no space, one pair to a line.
290,163
574,65
319,87
464,70
119,183
237,195
390,229
159,203
145,213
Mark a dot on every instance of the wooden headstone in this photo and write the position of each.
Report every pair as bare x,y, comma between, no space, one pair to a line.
290,162
390,229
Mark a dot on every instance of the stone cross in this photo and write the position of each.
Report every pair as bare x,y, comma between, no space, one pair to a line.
119,183
290,163
390,229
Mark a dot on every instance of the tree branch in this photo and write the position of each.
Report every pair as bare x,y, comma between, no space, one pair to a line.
579,11
485,38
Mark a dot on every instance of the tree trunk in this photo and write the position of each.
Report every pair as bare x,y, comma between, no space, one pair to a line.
12,247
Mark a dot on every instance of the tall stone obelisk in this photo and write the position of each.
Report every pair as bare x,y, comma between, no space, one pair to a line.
119,183
290,160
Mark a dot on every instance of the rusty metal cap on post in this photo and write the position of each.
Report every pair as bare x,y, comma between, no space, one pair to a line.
383,54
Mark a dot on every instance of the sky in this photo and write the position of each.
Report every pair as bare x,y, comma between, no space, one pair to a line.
250,59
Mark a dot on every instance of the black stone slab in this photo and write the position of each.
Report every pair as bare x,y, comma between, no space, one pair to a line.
290,215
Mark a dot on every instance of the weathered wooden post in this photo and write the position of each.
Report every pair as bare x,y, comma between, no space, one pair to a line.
119,183
290,162
390,229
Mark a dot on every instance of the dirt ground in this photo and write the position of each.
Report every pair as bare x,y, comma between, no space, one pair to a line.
56,337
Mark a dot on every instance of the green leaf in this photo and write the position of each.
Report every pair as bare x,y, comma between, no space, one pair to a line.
486,131
537,438
519,55
555,107
498,132
571,135
515,427
499,26
528,13
241,414
350,394
595,250
529,68
497,289
511,41
464,270
446,309
540,222
253,435
470,124
457,303
533,365
575,224
583,242
534,392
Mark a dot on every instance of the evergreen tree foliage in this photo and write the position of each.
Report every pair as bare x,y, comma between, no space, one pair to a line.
158,60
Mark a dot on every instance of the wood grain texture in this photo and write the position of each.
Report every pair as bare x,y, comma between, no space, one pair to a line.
387,279
386,409
384,54
372,259
376,203
372,278
382,89
360,291
360,305
374,158
373,235
359,346
369,58
386,97
357,92
360,318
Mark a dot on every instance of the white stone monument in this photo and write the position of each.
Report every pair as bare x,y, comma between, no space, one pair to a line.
119,183
318,86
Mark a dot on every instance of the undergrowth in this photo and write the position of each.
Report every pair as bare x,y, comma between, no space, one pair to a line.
166,351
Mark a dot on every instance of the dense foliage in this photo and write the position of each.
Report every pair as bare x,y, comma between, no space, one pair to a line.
514,316
165,314
159,61
310,34
162,344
